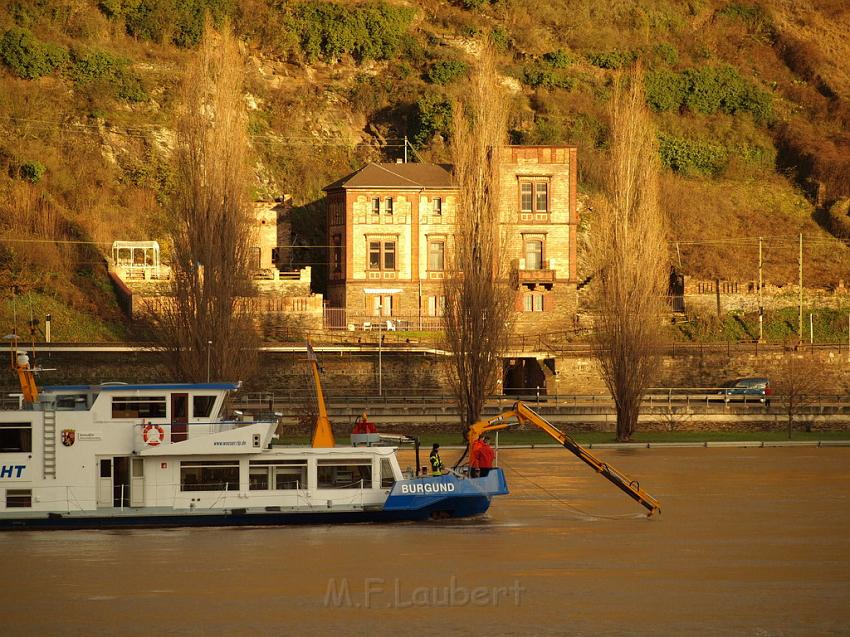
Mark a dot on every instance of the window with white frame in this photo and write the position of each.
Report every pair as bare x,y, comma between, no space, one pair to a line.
209,475
436,306
264,475
381,305
437,205
376,205
533,302
437,255
533,253
388,205
355,473
534,195
382,254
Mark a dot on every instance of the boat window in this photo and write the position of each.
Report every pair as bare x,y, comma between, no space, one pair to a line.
202,406
387,475
138,407
277,474
18,498
344,474
71,401
15,437
209,475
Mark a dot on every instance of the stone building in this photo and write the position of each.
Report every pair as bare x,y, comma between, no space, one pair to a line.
390,227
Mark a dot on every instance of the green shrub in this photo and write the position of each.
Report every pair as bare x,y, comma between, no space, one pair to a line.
368,32
721,88
667,53
102,69
547,131
447,71
756,19
559,59
500,37
181,21
548,71
691,156
32,171
613,60
433,115
27,57
665,90
707,90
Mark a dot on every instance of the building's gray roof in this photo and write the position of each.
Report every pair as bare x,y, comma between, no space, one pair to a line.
397,177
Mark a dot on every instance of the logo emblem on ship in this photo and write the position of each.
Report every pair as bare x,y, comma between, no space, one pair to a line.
68,437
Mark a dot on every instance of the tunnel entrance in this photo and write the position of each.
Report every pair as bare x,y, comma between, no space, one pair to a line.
526,375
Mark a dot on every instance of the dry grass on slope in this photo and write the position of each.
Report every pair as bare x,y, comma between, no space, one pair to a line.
713,221
822,25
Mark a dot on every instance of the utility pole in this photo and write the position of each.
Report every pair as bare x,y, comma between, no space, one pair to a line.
800,319
405,149
761,303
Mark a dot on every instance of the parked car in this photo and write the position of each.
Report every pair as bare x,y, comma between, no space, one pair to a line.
749,389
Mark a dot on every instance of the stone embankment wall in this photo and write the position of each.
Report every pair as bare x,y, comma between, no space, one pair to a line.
421,374
701,298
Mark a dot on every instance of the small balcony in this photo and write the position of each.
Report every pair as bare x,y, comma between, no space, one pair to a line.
522,275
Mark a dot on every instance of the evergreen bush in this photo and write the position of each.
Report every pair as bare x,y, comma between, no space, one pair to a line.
548,71
27,57
100,68
447,71
614,59
692,156
433,115
32,171
328,31
665,90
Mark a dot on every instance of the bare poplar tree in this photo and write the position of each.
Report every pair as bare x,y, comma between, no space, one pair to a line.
630,257
478,300
210,324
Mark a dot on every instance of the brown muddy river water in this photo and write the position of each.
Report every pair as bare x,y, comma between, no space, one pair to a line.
750,542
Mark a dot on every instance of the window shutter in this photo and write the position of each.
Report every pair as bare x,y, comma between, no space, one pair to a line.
519,302
548,302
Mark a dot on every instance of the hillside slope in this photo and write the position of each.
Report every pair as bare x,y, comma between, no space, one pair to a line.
751,102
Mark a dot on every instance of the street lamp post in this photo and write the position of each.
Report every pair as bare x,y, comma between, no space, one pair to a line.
209,350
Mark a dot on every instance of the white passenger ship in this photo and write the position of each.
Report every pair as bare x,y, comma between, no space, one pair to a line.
119,455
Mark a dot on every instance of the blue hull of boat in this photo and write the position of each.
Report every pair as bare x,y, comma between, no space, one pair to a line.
410,500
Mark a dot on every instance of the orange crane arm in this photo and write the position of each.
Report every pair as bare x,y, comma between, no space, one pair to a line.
524,414
323,434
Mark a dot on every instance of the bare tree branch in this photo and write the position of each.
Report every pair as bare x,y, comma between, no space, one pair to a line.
478,299
211,284
630,257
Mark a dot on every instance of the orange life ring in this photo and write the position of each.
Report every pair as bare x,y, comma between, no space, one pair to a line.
151,440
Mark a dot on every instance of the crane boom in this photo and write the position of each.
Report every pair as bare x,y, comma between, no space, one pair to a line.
524,414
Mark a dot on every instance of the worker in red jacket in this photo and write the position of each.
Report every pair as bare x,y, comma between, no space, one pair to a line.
486,456
363,426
